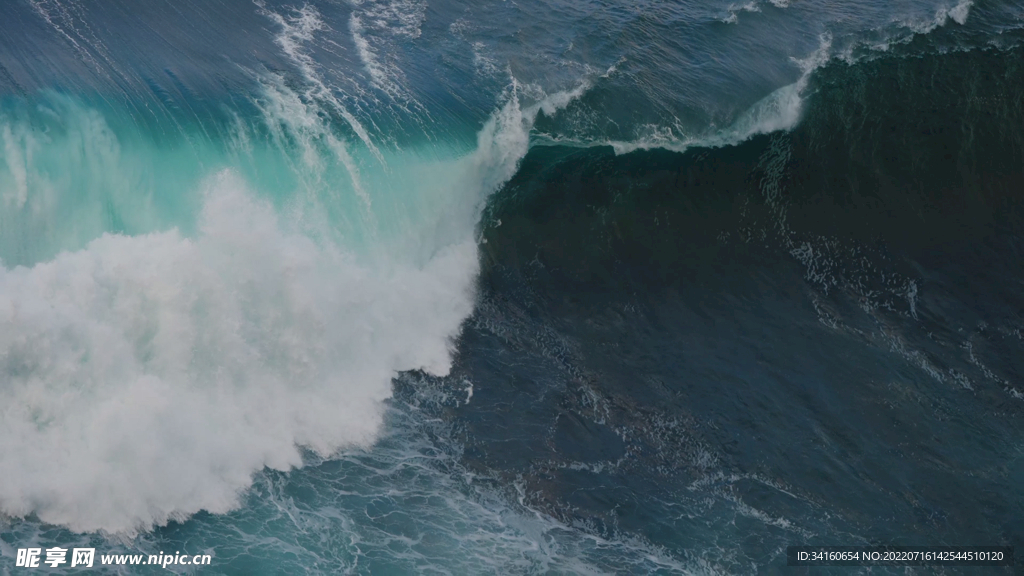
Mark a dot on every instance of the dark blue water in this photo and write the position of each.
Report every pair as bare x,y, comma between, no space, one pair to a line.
510,287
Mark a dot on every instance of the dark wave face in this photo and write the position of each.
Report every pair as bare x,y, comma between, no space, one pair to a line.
813,336
534,287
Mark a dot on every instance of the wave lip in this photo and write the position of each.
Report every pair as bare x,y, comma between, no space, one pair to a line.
779,110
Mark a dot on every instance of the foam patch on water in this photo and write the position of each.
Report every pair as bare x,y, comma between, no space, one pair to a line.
146,378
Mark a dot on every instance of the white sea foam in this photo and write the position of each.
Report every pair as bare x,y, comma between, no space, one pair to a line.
146,378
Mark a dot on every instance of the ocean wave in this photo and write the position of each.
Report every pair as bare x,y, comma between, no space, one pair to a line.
151,375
